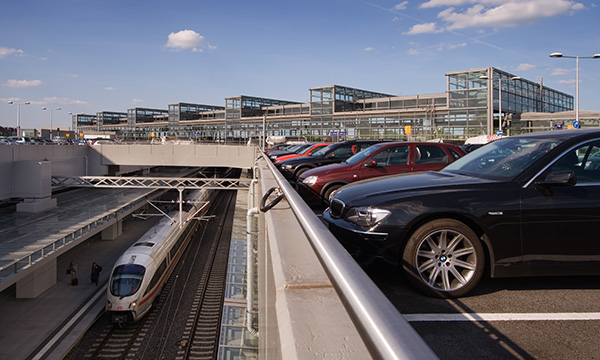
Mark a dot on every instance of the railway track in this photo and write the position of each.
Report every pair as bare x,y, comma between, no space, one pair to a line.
184,322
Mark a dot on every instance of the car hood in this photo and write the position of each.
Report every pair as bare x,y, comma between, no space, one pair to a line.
398,186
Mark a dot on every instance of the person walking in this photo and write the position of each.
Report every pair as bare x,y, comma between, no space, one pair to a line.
96,269
73,271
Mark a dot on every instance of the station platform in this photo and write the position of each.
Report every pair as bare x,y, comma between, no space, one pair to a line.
47,327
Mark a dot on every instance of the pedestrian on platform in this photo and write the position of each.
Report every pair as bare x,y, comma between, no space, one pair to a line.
73,271
96,269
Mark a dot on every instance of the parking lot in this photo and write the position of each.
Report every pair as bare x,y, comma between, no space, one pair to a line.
512,318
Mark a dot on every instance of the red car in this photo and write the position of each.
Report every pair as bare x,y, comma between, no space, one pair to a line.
308,151
388,158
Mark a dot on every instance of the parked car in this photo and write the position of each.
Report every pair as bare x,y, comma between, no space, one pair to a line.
306,152
292,149
334,153
22,140
390,158
524,205
277,147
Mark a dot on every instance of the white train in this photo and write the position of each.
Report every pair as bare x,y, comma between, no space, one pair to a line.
140,273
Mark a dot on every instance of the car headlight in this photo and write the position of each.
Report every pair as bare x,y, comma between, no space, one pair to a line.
310,180
287,167
108,305
365,216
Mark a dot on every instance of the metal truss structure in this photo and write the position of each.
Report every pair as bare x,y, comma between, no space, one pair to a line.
151,182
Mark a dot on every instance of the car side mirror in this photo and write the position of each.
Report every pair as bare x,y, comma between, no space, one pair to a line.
370,164
559,178
330,155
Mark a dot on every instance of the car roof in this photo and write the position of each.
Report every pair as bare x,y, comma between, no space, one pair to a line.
562,134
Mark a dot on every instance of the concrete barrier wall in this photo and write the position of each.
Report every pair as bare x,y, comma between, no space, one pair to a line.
176,155
75,160
64,160
300,314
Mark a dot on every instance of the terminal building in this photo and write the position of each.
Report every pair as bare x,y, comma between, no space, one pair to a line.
483,101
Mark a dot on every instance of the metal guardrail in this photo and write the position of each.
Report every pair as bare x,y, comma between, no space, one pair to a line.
13,267
385,332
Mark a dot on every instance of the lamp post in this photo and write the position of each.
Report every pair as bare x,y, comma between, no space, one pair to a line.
485,77
560,55
19,115
58,109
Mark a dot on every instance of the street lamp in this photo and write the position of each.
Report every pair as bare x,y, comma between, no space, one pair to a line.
58,109
485,77
560,55
19,115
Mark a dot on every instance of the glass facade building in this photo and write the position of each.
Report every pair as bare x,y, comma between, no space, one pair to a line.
475,102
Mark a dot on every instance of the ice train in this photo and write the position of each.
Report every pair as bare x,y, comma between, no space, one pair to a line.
141,271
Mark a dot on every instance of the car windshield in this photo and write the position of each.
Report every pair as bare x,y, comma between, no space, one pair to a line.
305,149
126,280
502,159
324,150
360,156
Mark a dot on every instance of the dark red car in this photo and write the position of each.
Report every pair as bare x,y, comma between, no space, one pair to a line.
389,158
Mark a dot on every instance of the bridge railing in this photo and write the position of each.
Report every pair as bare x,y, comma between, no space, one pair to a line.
386,334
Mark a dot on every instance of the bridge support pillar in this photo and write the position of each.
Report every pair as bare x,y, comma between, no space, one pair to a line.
38,281
113,231
33,184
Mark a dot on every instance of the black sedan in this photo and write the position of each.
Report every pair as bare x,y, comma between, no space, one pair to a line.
526,205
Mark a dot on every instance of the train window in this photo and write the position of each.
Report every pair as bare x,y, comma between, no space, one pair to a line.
126,279
144,243
157,275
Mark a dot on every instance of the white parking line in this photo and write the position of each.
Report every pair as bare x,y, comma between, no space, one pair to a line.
503,317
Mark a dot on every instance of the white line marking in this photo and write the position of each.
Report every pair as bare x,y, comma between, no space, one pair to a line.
503,317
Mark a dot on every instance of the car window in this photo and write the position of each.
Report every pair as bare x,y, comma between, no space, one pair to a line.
394,156
584,161
504,158
454,154
345,150
430,154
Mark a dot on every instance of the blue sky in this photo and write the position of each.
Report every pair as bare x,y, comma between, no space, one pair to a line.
112,55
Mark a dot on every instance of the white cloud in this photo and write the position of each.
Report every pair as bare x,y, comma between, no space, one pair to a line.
23,83
109,88
428,28
507,13
187,39
4,52
369,49
413,52
456,46
137,101
525,67
568,82
401,6
560,71
60,101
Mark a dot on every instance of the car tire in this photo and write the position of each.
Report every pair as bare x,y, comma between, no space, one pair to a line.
328,191
300,171
444,258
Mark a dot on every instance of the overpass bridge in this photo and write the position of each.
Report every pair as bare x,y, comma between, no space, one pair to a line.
312,301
